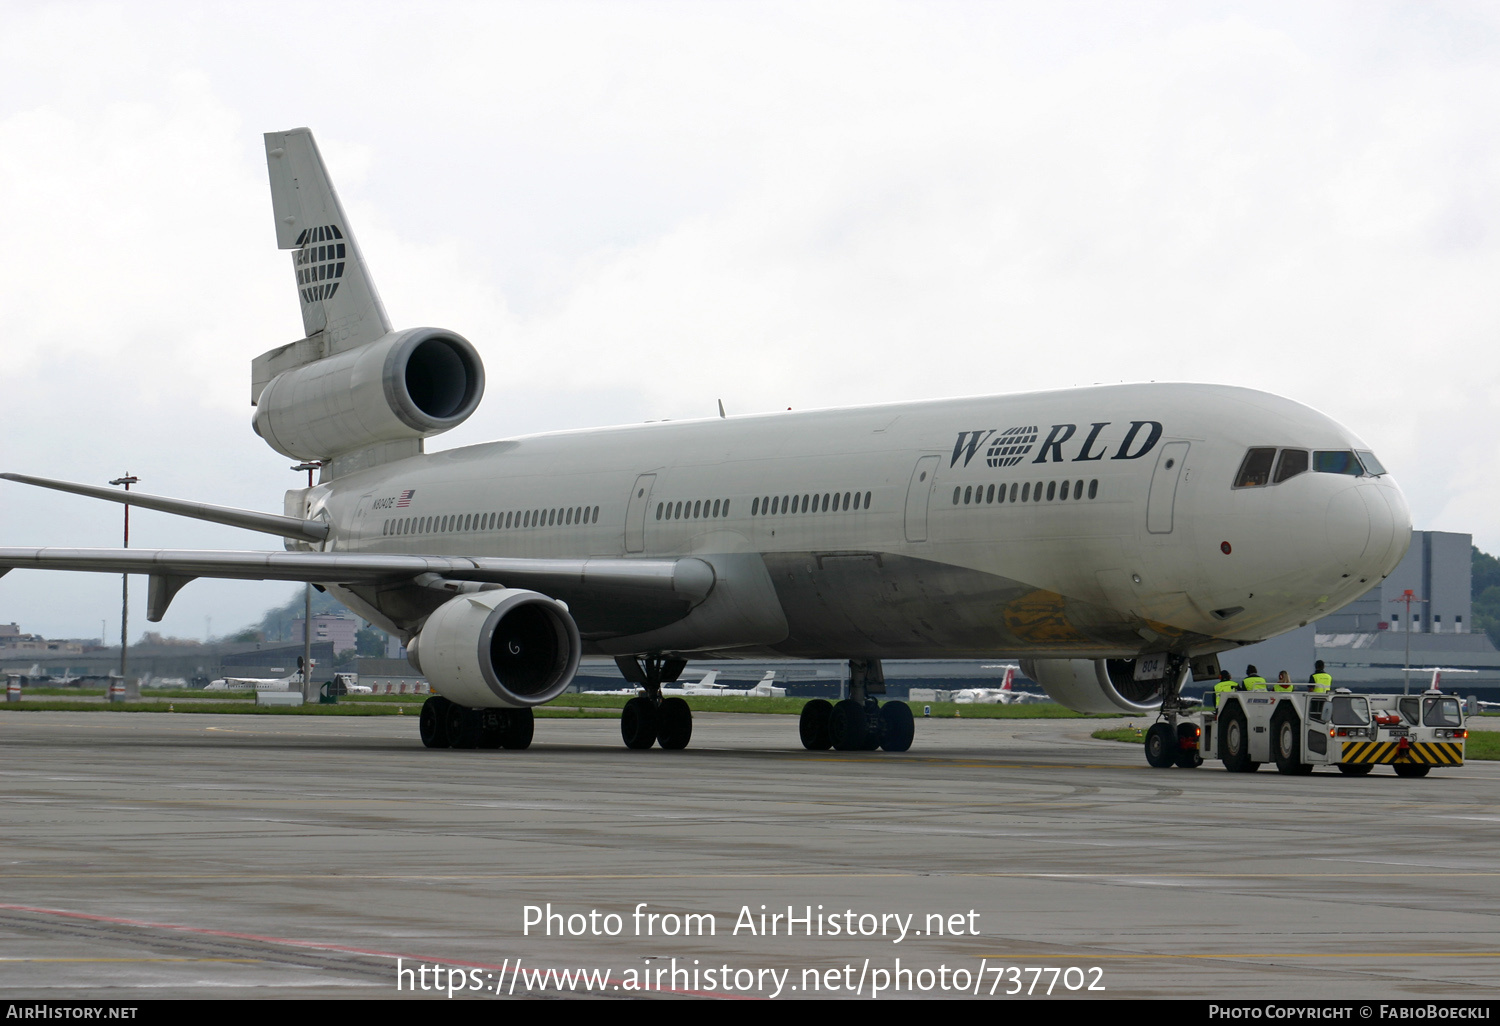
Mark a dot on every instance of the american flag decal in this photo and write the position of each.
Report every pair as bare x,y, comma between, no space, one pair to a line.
405,498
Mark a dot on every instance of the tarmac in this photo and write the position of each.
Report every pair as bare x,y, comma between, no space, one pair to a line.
183,855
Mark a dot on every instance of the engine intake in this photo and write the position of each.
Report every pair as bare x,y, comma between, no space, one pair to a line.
1095,685
408,384
506,648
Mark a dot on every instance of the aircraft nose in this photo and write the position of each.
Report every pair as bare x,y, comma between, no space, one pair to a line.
1348,526
1390,527
1368,526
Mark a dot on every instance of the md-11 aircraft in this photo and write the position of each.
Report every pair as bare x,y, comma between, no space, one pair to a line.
1114,539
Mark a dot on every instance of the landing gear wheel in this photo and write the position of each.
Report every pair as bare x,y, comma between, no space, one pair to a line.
1234,741
516,728
1410,769
900,726
465,726
813,725
1286,736
846,727
433,723
1356,769
674,724
1188,755
1161,746
638,723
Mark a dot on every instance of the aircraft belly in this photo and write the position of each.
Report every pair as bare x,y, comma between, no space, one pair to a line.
867,605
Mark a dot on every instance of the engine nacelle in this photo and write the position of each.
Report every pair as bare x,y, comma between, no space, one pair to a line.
1094,685
506,648
409,384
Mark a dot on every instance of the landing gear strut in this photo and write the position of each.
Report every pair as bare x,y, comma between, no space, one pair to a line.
859,723
649,718
1168,742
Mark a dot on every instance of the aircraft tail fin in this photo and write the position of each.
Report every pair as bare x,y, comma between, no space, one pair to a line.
1010,679
333,285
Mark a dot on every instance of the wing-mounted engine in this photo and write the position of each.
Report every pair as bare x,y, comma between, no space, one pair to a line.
1095,685
506,648
407,385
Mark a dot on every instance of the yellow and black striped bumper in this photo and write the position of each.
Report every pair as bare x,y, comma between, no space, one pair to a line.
1422,753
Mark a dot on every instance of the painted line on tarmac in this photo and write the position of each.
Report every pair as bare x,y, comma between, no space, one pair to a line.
1257,954
320,946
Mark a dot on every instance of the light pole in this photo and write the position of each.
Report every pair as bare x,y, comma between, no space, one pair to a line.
127,481
1407,598
307,609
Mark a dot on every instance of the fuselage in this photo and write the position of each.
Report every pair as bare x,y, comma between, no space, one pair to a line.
1088,523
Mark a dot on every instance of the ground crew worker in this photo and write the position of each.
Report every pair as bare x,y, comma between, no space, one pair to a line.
1320,681
1283,682
1253,680
1225,685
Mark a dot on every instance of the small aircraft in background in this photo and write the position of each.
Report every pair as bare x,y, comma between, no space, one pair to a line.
255,683
709,686
1005,694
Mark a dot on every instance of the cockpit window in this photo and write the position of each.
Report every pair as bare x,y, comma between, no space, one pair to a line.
1342,462
1292,463
1372,465
1256,470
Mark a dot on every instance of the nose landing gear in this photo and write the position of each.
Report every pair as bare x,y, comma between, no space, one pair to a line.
650,719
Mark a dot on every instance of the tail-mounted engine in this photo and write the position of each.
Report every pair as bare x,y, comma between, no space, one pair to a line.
506,648
406,385
1095,685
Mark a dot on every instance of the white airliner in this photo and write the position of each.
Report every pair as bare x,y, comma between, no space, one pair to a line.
1005,694
255,683
1112,538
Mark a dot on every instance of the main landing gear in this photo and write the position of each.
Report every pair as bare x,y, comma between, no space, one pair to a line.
649,718
446,724
859,723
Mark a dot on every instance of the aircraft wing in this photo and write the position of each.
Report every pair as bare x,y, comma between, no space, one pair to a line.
664,586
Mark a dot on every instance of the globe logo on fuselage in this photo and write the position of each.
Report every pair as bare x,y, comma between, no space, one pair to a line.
1011,446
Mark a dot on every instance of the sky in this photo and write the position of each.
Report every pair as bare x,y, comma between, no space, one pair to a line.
636,209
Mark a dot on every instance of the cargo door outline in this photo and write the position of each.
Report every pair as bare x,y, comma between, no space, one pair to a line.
635,513
1164,482
918,494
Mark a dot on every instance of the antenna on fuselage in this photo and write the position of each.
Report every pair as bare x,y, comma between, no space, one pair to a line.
721,409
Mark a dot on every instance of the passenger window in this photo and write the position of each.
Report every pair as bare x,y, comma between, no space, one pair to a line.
1051,489
1291,463
1337,463
867,499
1025,491
1256,470
726,507
968,493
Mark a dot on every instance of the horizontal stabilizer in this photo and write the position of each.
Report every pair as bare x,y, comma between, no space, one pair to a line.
269,523
666,587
